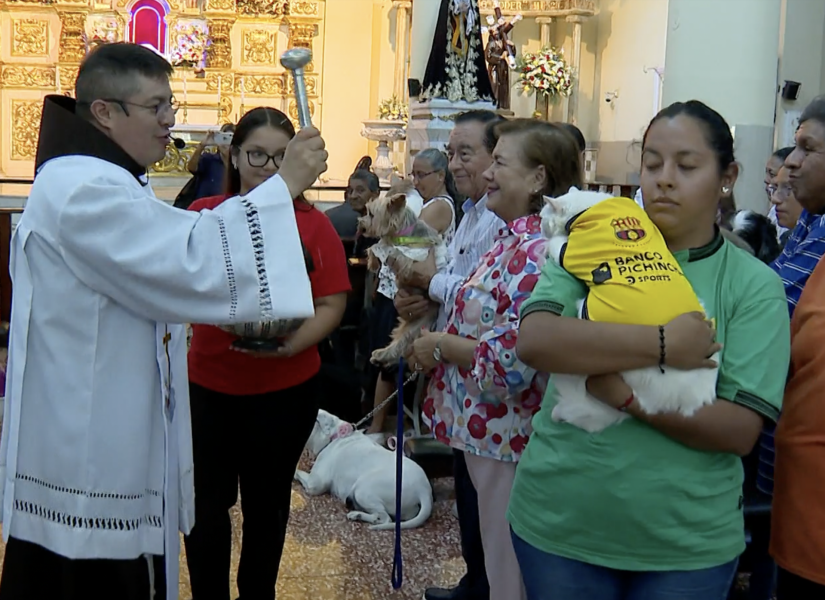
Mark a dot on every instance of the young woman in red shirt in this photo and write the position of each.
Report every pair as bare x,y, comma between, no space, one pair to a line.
252,412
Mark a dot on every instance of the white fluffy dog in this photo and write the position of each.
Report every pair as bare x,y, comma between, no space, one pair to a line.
358,471
612,245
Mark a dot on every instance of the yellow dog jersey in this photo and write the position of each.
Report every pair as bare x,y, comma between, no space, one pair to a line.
631,275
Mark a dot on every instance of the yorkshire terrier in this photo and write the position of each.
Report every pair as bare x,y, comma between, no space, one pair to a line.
404,239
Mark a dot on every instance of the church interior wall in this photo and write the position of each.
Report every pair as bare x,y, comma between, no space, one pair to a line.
626,43
801,51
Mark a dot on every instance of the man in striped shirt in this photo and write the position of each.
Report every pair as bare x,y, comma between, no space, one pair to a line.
470,150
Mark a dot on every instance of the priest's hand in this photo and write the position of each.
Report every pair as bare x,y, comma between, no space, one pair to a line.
304,161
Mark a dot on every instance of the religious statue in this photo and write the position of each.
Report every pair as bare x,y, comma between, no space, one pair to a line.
501,56
456,69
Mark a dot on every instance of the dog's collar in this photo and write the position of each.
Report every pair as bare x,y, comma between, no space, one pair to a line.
410,241
344,430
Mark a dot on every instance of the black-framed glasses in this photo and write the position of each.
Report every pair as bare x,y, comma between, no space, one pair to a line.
259,158
420,176
158,109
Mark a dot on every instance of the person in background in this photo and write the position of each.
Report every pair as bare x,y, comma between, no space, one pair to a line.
798,516
786,209
433,181
650,508
470,148
209,167
772,168
252,412
362,187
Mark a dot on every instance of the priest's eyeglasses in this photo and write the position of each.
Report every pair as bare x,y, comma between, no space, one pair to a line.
259,159
159,109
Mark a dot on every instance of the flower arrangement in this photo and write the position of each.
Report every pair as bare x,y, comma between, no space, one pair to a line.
393,110
190,41
545,72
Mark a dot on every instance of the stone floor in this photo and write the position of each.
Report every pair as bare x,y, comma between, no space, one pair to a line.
329,558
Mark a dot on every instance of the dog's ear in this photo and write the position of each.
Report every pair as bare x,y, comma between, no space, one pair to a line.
398,202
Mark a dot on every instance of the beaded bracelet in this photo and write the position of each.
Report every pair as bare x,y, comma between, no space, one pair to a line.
662,352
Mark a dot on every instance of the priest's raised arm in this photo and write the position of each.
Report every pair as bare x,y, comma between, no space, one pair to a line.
241,262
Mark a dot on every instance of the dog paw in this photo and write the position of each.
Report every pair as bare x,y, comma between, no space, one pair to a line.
354,515
378,357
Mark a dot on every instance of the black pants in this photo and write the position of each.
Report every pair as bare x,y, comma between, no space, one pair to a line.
794,587
257,441
474,583
31,572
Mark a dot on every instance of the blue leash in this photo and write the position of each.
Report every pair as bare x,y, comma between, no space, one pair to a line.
397,560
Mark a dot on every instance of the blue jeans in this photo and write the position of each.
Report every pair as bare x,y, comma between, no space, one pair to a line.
551,577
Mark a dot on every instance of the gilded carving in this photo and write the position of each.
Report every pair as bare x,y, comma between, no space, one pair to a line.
226,110
175,160
68,77
310,80
72,46
226,81
269,8
30,37
540,8
219,53
258,47
25,127
264,85
293,110
21,76
221,5
303,7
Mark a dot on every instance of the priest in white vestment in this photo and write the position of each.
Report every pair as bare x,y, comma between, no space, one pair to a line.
95,457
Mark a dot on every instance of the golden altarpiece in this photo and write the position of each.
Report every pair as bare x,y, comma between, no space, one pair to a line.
42,43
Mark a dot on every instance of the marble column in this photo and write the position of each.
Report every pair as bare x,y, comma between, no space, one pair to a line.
733,70
402,45
544,28
571,116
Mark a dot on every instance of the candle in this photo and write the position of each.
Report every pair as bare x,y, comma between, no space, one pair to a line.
242,94
219,98
184,87
57,79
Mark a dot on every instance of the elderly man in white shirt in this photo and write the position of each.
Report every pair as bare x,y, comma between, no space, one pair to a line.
470,151
96,450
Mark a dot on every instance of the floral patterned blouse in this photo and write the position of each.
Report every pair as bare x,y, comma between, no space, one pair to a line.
487,409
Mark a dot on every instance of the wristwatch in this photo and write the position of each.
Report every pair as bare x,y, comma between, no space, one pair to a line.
437,355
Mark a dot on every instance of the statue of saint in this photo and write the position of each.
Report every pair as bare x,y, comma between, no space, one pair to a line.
456,69
501,56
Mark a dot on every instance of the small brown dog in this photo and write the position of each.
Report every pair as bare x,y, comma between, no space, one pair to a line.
404,239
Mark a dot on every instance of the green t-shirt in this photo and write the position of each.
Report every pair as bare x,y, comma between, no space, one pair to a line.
629,497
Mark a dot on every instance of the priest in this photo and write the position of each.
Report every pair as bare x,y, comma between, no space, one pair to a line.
95,457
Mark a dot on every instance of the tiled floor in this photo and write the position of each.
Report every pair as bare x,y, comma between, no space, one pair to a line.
329,558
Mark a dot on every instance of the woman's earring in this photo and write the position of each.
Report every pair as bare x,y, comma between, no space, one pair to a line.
726,190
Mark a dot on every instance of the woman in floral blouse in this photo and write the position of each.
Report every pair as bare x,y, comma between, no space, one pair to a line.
482,398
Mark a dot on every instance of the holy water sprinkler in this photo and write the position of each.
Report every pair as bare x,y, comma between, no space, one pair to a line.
295,59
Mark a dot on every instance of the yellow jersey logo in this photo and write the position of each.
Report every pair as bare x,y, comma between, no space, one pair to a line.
628,229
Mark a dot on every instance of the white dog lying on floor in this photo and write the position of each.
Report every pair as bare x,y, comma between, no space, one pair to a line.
358,471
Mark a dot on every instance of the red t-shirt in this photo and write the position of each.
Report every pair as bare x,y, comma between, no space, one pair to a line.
213,365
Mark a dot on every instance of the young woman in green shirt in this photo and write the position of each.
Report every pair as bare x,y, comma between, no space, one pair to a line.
651,508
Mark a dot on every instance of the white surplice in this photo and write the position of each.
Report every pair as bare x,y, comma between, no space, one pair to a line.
96,458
